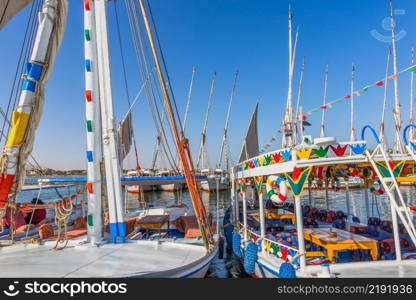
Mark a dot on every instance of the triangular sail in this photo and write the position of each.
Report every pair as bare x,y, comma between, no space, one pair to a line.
9,8
251,141
125,136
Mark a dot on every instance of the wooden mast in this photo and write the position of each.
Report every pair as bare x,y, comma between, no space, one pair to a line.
322,133
188,102
398,147
200,163
224,137
181,144
298,116
383,113
352,130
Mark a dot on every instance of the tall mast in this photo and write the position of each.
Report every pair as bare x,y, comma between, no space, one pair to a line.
93,119
224,137
181,145
397,111
411,117
298,114
288,139
28,111
189,99
383,113
352,130
111,158
322,134
202,150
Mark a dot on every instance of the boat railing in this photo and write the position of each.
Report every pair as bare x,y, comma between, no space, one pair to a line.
258,238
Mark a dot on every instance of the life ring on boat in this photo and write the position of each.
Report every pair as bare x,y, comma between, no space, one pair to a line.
281,196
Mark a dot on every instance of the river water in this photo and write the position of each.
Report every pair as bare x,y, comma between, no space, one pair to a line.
378,205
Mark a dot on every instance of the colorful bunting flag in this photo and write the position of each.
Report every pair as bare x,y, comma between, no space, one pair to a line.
297,184
412,69
379,83
393,77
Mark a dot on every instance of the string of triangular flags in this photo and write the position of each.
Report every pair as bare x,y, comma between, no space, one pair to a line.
329,104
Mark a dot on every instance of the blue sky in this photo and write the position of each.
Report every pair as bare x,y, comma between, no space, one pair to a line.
221,36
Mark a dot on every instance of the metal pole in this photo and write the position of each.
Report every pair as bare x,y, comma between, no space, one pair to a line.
261,217
322,134
396,234
347,197
367,202
245,216
326,194
218,204
299,229
233,218
397,113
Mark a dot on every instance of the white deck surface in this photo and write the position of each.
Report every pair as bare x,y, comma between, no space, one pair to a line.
136,258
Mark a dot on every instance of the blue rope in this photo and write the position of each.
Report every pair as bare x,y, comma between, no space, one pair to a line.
250,258
237,245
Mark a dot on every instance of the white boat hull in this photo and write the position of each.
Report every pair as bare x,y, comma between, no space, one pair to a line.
173,187
211,186
135,189
133,259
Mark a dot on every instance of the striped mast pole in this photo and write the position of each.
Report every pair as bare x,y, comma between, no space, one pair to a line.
111,157
21,117
398,146
322,133
93,125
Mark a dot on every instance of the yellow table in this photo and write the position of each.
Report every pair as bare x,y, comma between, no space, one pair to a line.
272,214
343,241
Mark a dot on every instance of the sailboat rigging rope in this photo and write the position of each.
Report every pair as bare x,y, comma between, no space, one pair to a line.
164,65
137,38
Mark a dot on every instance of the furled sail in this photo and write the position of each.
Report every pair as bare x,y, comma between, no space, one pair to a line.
8,8
26,117
251,141
125,136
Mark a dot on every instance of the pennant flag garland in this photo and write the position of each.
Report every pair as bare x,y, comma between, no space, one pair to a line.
412,69
393,77
338,100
